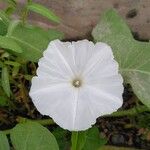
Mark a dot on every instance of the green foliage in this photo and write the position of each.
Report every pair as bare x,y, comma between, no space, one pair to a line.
9,43
3,99
32,40
4,21
43,11
28,42
11,2
24,41
5,80
4,145
10,10
143,120
61,136
12,63
82,139
132,56
4,18
21,42
93,140
78,140
87,140
3,28
32,136
54,34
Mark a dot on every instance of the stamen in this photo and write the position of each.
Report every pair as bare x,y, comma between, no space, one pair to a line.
76,83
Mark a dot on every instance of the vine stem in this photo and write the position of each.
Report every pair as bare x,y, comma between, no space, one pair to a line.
41,121
7,131
74,140
24,15
25,12
130,112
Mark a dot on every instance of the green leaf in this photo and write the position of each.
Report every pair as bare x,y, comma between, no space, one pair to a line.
93,140
4,18
133,56
32,136
32,40
4,21
12,2
4,145
12,25
143,120
10,10
3,28
5,80
10,44
15,71
43,11
12,63
54,34
61,136
3,101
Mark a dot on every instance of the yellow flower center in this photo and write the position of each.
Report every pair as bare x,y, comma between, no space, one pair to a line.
77,83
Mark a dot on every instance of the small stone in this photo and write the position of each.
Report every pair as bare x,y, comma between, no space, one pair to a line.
132,13
118,139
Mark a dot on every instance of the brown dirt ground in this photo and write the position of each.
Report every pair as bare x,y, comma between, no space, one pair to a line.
80,16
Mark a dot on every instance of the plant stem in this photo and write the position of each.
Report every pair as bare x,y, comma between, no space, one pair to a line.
24,15
29,1
130,112
74,140
7,131
43,122
25,12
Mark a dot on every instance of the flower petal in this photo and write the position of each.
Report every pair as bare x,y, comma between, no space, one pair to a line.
83,52
55,58
91,104
54,100
76,108
102,55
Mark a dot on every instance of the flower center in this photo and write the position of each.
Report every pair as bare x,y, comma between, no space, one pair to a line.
77,83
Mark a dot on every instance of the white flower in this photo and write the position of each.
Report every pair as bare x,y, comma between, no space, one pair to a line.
77,82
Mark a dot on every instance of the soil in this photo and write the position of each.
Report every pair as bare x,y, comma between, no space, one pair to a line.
80,16
125,131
